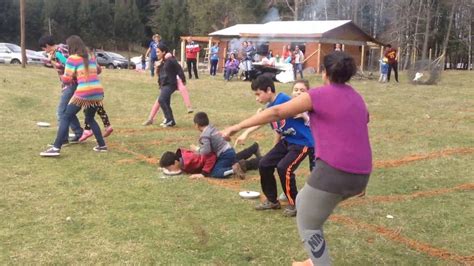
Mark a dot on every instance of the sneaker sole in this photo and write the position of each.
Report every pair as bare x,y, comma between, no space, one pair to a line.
100,150
49,154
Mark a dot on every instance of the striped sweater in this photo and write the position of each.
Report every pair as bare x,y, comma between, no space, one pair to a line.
89,91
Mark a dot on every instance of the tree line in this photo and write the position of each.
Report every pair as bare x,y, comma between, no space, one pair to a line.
415,26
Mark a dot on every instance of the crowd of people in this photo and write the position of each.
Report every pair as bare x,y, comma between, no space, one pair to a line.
327,124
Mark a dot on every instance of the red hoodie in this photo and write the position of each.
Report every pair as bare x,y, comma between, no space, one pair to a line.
195,163
192,49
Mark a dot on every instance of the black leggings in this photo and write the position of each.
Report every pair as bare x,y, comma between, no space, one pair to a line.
103,115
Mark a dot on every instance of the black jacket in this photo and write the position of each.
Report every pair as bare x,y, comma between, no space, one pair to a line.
169,69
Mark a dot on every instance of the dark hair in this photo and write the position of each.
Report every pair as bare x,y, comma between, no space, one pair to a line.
163,47
77,46
201,119
304,81
389,46
168,158
262,83
339,67
46,40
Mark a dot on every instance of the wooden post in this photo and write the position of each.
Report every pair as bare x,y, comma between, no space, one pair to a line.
381,52
362,55
343,47
197,61
319,58
22,33
431,50
183,49
225,56
209,55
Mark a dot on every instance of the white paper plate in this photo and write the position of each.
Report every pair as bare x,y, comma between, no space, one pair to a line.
43,124
249,194
168,172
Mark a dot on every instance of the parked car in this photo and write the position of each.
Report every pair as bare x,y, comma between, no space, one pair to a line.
112,60
11,54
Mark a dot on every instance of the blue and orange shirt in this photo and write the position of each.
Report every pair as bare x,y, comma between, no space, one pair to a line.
293,130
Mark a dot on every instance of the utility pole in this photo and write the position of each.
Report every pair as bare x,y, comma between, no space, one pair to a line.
22,33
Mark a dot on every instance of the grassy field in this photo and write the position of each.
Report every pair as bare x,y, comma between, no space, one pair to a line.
89,208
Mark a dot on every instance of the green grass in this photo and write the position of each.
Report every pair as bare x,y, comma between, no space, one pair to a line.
122,211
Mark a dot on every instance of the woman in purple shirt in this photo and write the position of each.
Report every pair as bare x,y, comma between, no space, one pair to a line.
338,120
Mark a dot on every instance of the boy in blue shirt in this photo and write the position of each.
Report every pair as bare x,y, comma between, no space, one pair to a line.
292,143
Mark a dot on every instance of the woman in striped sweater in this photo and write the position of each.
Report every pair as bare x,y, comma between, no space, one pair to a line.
80,67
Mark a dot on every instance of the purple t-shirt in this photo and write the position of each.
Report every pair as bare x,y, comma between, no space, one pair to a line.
339,126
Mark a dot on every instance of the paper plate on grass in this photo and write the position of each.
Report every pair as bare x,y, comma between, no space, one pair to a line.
43,124
168,172
249,194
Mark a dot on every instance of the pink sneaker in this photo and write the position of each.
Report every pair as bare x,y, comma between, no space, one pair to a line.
85,135
108,131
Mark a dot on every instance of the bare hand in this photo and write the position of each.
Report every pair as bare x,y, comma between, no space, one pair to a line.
194,147
228,132
240,140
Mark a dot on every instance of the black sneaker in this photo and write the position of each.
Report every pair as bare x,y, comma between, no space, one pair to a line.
100,148
268,205
290,211
51,152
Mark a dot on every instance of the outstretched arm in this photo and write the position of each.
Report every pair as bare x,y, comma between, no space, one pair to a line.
291,108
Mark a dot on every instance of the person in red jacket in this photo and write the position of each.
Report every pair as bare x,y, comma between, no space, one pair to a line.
192,49
188,161
191,162
391,55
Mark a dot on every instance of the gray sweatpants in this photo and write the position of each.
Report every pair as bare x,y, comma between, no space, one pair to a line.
314,207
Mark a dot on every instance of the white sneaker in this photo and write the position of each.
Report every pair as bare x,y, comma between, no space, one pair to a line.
51,152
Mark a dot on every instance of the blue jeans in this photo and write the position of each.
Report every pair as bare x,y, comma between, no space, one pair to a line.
224,163
214,66
152,66
229,73
298,67
66,95
69,115
165,101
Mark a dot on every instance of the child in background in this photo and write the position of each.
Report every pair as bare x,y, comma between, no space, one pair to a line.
210,141
143,62
383,70
182,90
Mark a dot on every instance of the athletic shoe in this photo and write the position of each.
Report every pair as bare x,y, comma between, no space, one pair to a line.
290,211
50,152
190,110
238,171
147,123
74,140
64,144
85,135
282,197
169,124
268,205
108,131
100,148
164,122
